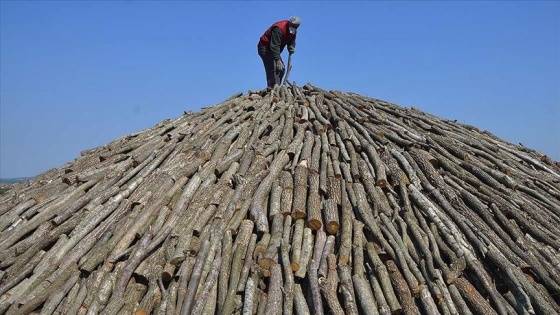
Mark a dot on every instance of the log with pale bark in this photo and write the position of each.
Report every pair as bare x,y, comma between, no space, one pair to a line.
295,200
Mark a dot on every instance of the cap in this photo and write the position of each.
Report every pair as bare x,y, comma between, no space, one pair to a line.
295,20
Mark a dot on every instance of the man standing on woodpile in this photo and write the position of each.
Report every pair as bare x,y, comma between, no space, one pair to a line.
271,45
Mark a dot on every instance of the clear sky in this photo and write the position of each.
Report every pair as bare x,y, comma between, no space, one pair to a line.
76,74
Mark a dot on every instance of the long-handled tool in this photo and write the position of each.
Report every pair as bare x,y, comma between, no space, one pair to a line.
289,68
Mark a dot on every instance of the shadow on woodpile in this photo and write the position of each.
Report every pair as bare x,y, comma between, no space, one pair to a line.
296,200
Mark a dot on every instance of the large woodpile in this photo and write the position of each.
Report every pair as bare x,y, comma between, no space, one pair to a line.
291,201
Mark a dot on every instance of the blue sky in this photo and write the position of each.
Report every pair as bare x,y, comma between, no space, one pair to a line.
76,74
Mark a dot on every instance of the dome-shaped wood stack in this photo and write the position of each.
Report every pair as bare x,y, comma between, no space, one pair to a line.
291,201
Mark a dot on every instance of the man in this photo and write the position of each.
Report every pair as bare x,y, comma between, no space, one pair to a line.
271,45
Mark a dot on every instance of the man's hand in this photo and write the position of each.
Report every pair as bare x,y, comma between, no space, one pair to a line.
279,65
291,50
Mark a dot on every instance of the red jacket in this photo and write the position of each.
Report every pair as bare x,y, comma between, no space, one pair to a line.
287,38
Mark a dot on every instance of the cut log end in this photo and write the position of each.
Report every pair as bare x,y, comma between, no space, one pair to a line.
315,224
381,183
343,260
294,266
166,276
333,227
298,214
266,263
259,251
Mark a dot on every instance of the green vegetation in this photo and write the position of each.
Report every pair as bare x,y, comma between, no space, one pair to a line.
11,181
14,180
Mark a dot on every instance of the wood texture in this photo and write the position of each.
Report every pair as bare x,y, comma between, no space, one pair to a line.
294,200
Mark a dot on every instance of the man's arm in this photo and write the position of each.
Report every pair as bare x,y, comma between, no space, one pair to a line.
292,46
276,42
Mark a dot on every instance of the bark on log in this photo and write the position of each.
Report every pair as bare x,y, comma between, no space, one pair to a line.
299,210
199,304
358,248
364,295
346,228
296,246
247,263
382,305
313,271
384,279
331,216
300,304
257,207
225,269
288,288
347,289
240,247
314,204
402,289
287,184
306,253
274,303
473,297
274,199
327,250
328,286
380,173
270,257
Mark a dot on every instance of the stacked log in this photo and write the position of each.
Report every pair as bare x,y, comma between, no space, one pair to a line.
295,200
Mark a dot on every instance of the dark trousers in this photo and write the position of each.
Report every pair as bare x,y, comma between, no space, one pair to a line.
273,77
